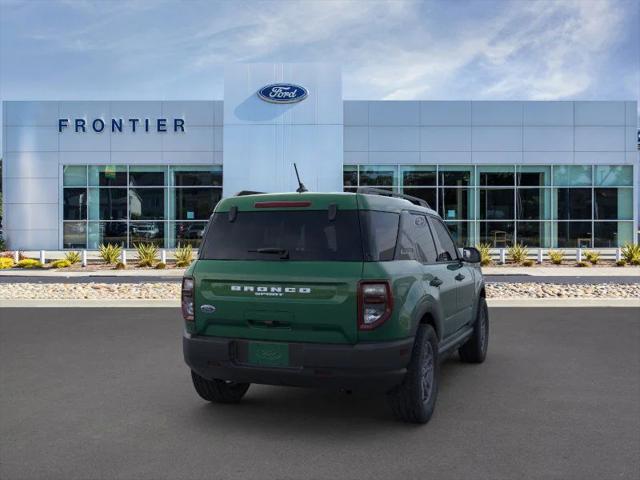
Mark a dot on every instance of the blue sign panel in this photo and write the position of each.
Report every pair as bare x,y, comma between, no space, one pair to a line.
283,93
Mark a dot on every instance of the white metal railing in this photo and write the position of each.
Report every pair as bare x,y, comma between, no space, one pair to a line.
87,256
540,255
498,255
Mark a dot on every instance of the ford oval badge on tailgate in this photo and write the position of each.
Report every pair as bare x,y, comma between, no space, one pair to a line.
208,308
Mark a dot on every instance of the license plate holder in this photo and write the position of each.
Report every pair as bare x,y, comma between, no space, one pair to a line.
266,354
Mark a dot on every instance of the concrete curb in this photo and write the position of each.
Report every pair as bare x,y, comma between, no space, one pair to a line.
84,303
563,271
493,303
563,302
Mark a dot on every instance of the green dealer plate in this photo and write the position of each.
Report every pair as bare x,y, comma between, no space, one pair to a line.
269,354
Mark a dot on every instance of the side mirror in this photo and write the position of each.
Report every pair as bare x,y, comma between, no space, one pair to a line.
471,255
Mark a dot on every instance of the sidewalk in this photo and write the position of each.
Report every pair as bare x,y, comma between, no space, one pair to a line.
564,271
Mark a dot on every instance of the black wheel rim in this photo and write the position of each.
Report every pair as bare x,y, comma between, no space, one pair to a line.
428,372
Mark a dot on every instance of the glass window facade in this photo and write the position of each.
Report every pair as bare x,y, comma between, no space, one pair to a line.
547,206
127,205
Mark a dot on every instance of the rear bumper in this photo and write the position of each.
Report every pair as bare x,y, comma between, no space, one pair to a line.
371,366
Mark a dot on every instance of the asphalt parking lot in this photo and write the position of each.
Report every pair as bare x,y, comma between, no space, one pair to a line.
104,393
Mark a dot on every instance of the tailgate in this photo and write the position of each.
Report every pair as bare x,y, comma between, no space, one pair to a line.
278,300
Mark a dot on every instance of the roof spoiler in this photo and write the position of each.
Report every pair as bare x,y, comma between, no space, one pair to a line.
243,193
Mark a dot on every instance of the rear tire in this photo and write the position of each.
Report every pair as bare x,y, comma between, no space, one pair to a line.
475,349
219,391
414,400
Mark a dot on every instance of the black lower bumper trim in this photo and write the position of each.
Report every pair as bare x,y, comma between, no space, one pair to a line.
378,366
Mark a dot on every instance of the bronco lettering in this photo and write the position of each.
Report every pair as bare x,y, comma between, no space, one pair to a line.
269,290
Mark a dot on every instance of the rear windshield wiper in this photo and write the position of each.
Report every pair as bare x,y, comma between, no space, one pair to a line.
283,252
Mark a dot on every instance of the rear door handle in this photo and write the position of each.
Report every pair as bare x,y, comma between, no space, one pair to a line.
436,282
459,277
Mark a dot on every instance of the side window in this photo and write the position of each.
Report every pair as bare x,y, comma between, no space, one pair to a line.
426,249
416,242
446,248
379,234
406,245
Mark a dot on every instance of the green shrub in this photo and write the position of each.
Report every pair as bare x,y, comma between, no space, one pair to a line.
73,257
485,253
518,253
62,263
6,263
29,263
582,263
592,256
147,254
621,263
527,263
161,266
120,266
184,255
110,252
631,253
556,256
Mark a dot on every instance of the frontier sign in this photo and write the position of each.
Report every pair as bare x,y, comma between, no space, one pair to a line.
98,125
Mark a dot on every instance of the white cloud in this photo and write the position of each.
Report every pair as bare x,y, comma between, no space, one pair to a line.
530,50
534,49
557,51
546,50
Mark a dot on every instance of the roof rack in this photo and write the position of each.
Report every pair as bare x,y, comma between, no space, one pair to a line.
242,193
389,193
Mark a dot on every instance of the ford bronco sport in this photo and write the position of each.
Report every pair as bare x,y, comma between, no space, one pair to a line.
340,290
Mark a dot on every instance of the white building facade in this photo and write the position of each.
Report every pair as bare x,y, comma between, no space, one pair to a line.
546,174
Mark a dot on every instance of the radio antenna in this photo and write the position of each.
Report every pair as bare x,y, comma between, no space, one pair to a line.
301,188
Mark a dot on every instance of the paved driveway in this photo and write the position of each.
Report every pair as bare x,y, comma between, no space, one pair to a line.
104,394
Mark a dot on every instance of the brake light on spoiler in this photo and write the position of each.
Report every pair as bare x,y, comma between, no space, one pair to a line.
282,204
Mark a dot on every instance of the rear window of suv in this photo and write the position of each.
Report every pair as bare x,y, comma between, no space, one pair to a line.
284,235
301,235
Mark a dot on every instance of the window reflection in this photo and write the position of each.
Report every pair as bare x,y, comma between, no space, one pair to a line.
107,232
75,204
74,235
460,233
195,203
146,203
188,233
426,194
496,204
146,232
378,176
497,234
574,203
575,234
455,204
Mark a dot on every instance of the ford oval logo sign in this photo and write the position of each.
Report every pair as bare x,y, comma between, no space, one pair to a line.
283,93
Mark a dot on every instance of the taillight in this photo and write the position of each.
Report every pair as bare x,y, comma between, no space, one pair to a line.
187,299
375,304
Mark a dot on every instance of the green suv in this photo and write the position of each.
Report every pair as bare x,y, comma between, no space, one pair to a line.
339,290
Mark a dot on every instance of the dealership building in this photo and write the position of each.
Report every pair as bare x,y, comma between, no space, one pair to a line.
547,174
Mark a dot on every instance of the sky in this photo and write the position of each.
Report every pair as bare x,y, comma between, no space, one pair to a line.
452,49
